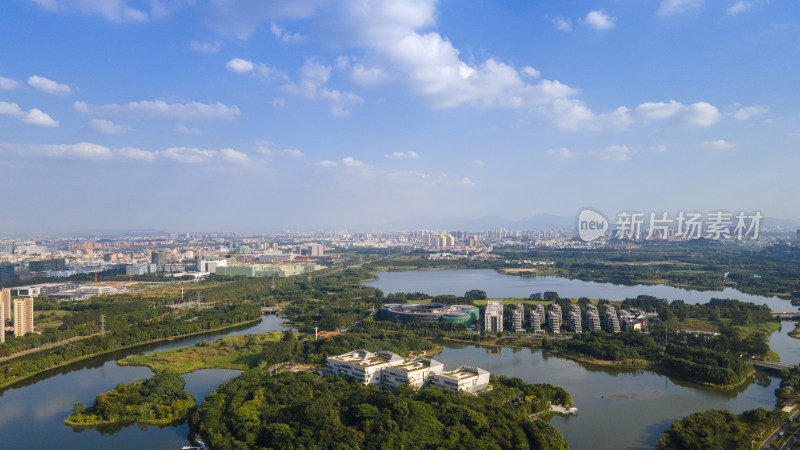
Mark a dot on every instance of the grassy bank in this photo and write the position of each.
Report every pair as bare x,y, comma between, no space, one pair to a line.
232,352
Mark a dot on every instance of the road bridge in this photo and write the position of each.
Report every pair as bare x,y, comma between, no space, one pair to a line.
767,365
789,315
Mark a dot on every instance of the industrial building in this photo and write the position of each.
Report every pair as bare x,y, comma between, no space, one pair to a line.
429,312
36,290
633,319
518,317
493,316
23,316
389,371
537,319
554,318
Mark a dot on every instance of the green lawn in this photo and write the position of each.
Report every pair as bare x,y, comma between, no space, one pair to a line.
233,352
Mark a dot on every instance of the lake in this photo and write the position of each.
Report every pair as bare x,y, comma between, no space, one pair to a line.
497,285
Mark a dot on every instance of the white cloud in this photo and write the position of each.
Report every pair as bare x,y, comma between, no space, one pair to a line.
34,116
467,182
739,7
599,20
268,148
478,164
531,72
720,144
135,153
279,101
610,153
112,10
285,37
205,47
700,114
85,150
561,153
160,109
311,85
231,155
237,19
411,154
10,109
243,66
367,76
672,7
239,65
186,155
327,163
353,163
8,84
563,24
107,127
614,153
186,130
747,112
49,86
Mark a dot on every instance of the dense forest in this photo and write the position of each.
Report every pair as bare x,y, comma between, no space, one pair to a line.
717,429
304,410
156,400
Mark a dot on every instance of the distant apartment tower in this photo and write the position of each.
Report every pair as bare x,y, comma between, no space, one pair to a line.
575,324
554,318
537,319
2,322
611,318
159,258
518,317
493,316
23,316
592,318
6,272
5,300
316,250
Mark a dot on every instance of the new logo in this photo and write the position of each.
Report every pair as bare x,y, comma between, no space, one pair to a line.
591,225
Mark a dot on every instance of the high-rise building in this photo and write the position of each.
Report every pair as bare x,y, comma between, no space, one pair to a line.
159,258
592,318
537,318
23,316
518,317
575,324
611,318
493,316
554,318
47,265
5,300
6,272
316,250
2,322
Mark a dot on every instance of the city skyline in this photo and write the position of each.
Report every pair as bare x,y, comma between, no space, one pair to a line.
312,115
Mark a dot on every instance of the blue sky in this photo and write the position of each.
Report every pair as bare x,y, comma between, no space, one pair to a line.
309,114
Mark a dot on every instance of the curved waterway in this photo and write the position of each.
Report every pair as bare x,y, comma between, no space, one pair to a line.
32,413
497,285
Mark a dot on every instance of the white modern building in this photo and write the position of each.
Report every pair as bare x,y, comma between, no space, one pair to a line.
554,318
493,316
417,373
465,378
518,317
389,371
210,266
363,365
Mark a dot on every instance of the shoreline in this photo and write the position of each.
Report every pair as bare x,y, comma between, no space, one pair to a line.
11,382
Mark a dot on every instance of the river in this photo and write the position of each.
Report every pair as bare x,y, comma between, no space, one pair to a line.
497,285
32,413
617,408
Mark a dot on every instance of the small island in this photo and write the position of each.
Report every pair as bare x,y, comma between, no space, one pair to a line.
159,400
